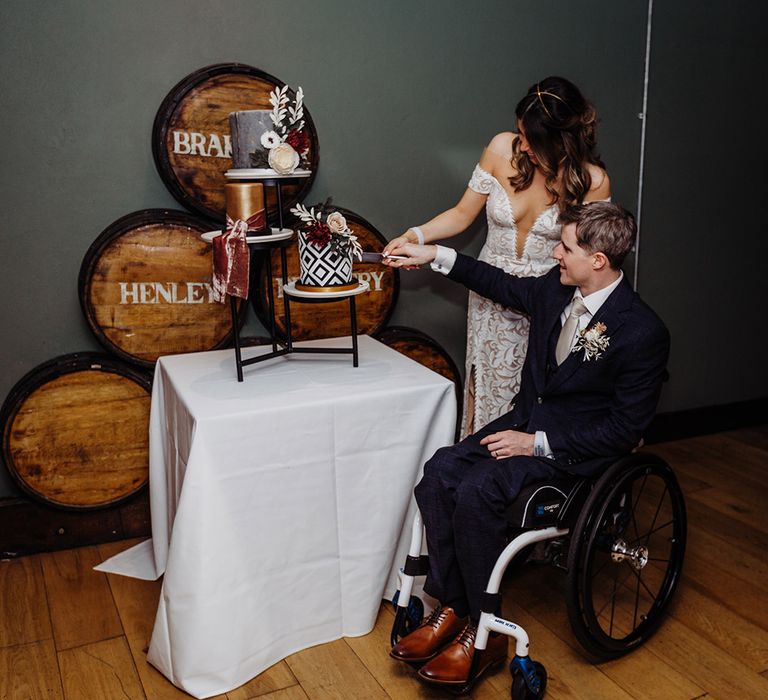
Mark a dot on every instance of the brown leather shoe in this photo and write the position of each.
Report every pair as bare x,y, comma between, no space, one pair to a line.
432,635
452,665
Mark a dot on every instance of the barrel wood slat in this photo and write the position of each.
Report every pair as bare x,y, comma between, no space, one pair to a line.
331,320
76,431
191,142
146,291
426,351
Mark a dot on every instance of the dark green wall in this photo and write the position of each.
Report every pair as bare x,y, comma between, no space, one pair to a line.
704,249
404,95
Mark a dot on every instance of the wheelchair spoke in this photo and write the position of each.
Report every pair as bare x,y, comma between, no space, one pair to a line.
640,582
648,534
637,500
640,492
656,515
602,566
613,601
616,587
637,604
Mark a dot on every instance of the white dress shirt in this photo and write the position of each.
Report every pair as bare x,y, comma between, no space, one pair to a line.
592,301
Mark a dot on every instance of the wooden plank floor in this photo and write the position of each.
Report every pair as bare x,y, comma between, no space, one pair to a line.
70,633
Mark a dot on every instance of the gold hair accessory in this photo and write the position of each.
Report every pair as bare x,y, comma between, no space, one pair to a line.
539,93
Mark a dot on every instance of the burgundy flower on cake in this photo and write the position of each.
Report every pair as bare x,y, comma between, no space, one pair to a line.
323,226
318,233
298,140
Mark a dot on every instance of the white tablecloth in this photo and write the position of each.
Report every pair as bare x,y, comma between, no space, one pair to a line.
281,506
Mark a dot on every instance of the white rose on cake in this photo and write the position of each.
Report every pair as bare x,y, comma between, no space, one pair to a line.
336,222
283,159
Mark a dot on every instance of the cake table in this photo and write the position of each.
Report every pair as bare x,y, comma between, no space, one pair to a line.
281,507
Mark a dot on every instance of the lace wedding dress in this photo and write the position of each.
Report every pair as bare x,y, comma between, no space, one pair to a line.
497,337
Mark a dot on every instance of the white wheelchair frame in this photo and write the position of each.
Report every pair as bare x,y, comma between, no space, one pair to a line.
488,622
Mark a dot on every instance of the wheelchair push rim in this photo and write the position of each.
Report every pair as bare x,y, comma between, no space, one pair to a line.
626,556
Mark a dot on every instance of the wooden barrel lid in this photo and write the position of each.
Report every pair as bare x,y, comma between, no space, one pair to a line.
426,351
191,141
145,288
331,320
76,431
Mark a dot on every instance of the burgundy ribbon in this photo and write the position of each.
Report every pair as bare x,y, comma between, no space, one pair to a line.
257,222
231,260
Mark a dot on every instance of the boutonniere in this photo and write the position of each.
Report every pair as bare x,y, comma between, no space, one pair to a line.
592,341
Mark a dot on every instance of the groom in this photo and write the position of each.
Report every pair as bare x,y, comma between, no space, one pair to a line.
590,383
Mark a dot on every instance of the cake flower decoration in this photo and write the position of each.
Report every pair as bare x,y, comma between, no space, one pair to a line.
322,226
287,144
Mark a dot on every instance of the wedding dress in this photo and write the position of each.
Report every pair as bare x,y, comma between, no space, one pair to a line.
497,337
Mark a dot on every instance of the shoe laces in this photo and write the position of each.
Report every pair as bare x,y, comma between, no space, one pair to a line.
436,617
467,636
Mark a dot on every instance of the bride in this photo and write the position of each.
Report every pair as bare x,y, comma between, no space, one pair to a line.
523,179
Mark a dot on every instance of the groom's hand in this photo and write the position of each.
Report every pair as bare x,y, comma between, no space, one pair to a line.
509,443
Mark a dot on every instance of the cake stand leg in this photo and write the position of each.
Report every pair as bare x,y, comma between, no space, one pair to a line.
279,205
236,334
271,301
353,317
289,332
286,305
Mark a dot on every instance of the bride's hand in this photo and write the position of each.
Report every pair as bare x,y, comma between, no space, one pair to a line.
394,247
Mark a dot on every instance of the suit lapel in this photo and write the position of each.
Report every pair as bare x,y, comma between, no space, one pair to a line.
550,330
610,314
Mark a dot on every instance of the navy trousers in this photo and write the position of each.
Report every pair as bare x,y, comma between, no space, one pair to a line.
462,498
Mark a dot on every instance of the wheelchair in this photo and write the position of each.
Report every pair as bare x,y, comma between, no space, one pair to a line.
621,539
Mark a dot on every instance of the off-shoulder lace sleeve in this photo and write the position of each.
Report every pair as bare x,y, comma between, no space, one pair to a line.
481,181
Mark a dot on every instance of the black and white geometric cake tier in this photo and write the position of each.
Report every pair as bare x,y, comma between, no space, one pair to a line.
323,267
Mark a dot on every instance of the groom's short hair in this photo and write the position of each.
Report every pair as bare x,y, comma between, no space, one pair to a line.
602,227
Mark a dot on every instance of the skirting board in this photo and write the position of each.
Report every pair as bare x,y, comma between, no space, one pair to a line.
679,425
28,527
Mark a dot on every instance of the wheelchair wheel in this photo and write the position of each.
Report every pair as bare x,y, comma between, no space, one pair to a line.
626,556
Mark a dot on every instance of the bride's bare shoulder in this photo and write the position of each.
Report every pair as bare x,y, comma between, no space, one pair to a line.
601,184
501,144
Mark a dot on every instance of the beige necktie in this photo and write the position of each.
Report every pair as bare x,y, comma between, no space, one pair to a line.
568,331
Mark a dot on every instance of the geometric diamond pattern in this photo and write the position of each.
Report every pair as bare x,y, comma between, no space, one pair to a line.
323,267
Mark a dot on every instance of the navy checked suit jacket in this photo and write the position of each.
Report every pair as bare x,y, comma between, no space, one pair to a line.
593,411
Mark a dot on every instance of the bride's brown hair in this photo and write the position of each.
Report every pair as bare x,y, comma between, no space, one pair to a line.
559,125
